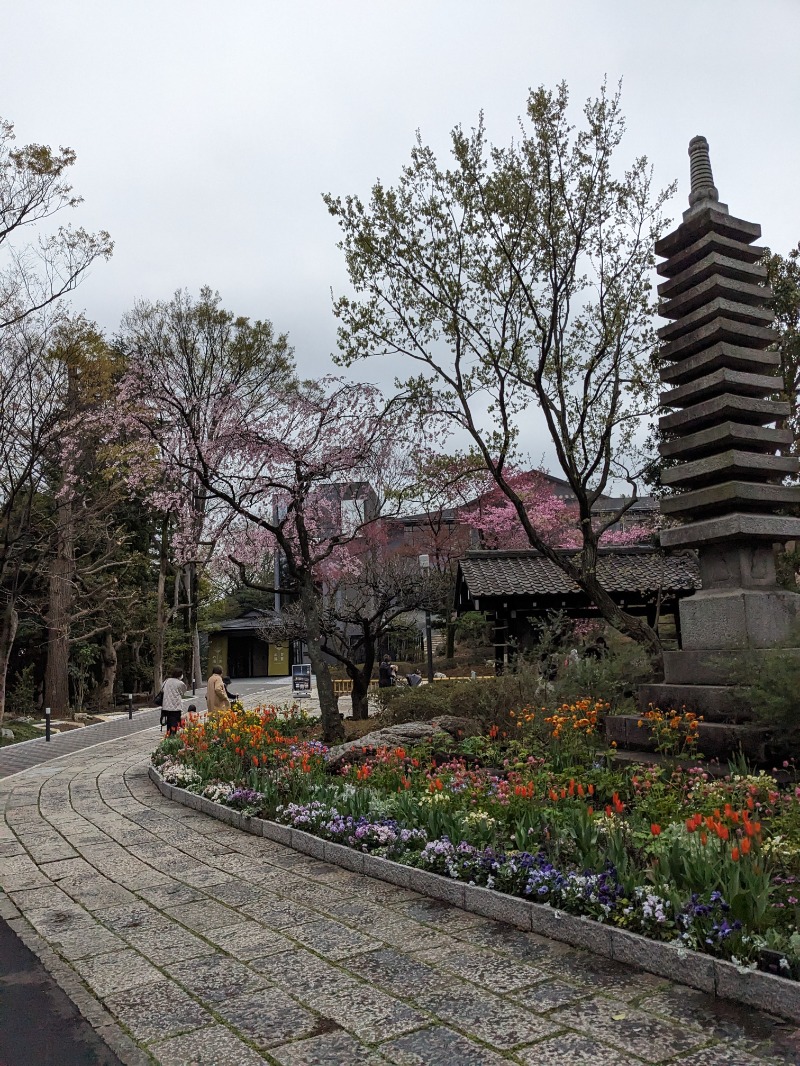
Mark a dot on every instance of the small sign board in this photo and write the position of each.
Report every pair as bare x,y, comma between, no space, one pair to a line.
301,680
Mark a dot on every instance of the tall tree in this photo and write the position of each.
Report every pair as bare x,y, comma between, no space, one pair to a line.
36,271
519,279
783,274
192,367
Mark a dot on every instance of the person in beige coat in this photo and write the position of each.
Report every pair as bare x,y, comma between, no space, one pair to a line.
216,696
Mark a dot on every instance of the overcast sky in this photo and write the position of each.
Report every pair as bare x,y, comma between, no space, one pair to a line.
207,130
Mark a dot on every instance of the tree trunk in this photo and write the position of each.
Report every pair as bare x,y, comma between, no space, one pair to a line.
8,631
451,639
629,624
332,727
361,679
62,568
359,697
108,660
161,611
197,669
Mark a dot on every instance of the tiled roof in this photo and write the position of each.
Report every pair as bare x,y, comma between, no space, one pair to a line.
525,573
250,622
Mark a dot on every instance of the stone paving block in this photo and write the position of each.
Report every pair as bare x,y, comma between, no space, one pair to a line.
439,1045
248,940
7,908
721,1019
549,994
517,944
214,978
331,939
368,1013
492,1019
171,893
154,1012
204,915
439,914
299,972
118,970
572,1049
212,1046
612,978
39,899
18,873
628,1029
394,970
236,893
408,935
77,867
98,895
728,1055
332,1049
83,942
267,1017
175,946
483,968
280,913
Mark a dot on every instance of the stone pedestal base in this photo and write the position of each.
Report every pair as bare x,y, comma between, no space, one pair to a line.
714,703
720,667
738,618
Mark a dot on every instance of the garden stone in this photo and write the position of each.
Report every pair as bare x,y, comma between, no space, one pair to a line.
401,736
7,734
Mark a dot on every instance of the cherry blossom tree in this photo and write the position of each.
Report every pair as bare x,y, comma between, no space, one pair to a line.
192,366
288,468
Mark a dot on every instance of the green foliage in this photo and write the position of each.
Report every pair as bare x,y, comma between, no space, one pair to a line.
21,698
474,629
773,681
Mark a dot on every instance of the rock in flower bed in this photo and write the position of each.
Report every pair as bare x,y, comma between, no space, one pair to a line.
678,855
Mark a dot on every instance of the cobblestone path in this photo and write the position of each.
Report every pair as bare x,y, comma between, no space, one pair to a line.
187,942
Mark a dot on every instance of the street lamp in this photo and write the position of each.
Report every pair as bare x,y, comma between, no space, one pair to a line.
425,567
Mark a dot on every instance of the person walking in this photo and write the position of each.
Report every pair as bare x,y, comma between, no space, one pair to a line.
386,673
216,696
172,701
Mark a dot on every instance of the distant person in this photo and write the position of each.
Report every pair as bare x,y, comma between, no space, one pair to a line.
232,696
386,673
216,696
172,701
598,649
414,678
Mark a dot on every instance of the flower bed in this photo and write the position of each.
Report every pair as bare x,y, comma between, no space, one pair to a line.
678,855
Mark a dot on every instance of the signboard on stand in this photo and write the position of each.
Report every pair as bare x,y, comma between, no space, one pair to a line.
301,680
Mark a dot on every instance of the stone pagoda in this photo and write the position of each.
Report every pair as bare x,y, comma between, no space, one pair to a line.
724,459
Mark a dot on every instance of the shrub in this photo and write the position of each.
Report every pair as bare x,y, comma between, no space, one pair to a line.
22,692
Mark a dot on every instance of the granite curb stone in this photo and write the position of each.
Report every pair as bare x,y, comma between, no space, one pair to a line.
747,986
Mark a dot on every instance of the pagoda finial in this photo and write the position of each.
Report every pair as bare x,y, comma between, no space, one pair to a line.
703,192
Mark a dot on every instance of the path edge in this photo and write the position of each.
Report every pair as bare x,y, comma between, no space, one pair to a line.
752,988
86,1003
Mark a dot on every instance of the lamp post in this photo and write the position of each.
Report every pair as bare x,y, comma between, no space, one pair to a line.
425,567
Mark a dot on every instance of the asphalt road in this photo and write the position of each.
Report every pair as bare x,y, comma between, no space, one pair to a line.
39,1024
